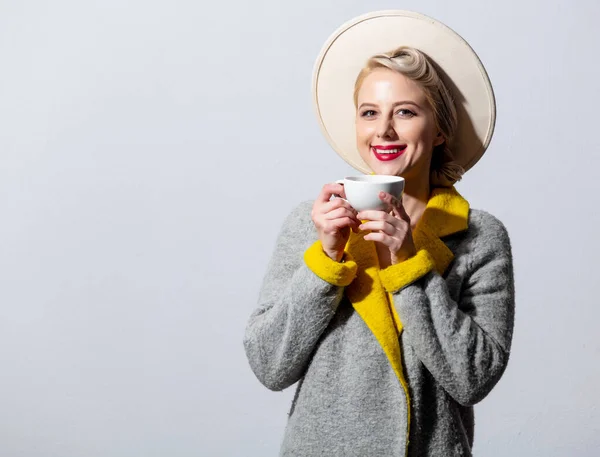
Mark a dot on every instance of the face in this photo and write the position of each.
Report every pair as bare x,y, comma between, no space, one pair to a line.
395,125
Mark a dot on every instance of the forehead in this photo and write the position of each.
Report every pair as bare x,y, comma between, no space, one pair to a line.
383,85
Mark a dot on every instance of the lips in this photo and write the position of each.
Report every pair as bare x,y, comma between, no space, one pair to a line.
388,152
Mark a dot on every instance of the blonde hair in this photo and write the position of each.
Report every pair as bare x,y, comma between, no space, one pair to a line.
413,64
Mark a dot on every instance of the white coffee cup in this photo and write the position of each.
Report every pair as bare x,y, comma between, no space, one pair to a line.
362,192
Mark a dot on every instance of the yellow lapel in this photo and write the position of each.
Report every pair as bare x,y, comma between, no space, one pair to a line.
446,213
370,300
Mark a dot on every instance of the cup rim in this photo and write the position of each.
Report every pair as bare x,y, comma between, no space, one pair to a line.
374,179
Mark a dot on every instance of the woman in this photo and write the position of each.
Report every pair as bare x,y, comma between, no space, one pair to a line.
395,323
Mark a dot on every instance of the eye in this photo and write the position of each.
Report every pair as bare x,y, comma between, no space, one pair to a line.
368,113
406,113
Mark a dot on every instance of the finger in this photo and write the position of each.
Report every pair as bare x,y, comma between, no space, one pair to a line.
382,226
330,189
342,222
372,215
380,237
390,201
403,214
395,206
387,198
335,204
341,212
389,241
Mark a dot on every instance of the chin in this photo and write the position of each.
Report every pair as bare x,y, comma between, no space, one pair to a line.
391,170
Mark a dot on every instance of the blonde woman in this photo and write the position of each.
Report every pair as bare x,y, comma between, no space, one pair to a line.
394,323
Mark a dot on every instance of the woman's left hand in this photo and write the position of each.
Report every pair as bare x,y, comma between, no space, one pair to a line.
392,229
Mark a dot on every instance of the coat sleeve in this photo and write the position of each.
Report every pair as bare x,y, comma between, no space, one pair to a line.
295,304
465,345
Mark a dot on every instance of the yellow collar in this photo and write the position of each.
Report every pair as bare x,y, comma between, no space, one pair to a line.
446,213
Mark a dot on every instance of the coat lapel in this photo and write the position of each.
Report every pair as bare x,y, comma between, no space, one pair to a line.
446,213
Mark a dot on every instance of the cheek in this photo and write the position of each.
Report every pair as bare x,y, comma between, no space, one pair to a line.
364,131
416,131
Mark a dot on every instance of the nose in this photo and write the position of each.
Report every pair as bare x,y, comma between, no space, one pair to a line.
385,128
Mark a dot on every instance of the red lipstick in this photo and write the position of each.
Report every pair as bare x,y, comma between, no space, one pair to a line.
386,157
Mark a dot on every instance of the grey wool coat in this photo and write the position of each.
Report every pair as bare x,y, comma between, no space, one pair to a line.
454,339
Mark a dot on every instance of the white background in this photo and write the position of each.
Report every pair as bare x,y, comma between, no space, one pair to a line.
149,151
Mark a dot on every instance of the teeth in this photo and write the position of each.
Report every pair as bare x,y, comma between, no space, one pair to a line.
388,151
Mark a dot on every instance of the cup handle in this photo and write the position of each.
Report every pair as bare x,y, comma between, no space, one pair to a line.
340,181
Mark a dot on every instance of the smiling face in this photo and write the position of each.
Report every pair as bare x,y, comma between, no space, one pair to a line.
395,125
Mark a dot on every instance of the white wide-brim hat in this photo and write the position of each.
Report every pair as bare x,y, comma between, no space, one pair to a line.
346,52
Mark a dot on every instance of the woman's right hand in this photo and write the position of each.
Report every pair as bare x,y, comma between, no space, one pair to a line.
333,220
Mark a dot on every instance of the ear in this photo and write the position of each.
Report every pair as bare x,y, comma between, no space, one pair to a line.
439,139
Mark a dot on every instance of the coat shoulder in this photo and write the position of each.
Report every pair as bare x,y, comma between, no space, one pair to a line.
487,237
487,227
297,228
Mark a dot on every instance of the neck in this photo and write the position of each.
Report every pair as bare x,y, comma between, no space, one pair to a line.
416,196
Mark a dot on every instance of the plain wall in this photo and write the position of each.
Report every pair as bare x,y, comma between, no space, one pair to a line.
149,152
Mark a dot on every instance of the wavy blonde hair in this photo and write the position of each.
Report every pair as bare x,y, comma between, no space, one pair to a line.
413,64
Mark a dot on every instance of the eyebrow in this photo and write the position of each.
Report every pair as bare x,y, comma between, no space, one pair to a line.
403,102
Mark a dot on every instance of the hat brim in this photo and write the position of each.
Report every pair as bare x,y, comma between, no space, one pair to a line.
346,52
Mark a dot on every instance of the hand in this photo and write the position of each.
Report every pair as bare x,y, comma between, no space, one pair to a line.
333,220
391,229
